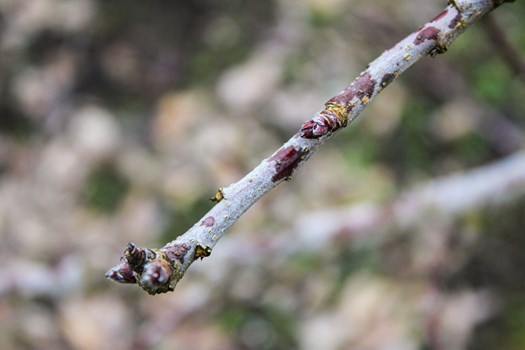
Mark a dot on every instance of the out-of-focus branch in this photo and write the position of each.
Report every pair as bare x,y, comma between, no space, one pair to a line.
504,47
490,185
444,198
441,199
159,270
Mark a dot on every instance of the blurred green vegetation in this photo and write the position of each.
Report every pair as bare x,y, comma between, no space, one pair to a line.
259,326
492,264
104,189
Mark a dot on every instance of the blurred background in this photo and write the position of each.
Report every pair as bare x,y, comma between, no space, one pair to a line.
119,119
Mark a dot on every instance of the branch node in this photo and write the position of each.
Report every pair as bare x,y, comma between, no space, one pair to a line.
441,47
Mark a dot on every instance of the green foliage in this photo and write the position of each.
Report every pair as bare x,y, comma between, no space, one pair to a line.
294,66
259,326
495,263
209,62
17,126
471,148
492,81
350,261
320,17
410,147
104,189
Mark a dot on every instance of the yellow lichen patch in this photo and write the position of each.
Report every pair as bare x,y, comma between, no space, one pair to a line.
159,253
365,100
407,57
339,110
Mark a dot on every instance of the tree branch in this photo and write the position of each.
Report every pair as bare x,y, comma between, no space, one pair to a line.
159,270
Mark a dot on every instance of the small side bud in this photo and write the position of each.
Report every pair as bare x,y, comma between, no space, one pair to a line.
219,196
202,251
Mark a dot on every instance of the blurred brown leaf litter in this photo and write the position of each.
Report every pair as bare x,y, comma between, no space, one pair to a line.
119,119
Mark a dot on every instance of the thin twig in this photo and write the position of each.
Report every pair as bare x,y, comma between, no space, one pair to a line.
491,185
159,270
